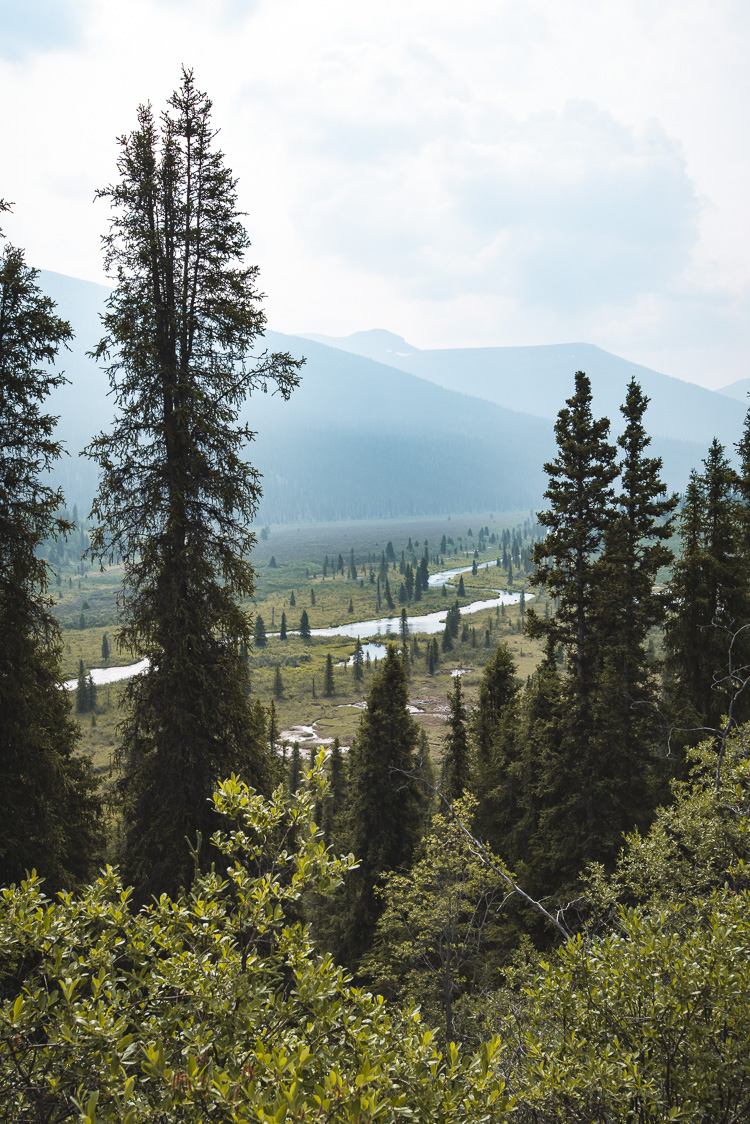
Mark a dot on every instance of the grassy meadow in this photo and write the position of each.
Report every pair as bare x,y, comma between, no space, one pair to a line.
290,577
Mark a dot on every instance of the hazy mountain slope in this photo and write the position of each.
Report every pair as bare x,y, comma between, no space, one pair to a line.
738,390
358,438
539,378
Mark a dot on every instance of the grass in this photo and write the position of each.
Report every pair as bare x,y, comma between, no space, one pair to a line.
299,553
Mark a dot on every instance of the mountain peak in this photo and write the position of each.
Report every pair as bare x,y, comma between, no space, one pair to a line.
376,343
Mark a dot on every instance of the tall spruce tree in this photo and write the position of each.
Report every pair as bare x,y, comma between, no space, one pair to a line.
50,815
328,682
455,773
384,804
710,598
599,561
581,495
626,724
176,496
493,727
358,662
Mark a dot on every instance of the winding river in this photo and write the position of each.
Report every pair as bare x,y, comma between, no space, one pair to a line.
372,630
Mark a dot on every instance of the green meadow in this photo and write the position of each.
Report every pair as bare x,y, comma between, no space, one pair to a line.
292,575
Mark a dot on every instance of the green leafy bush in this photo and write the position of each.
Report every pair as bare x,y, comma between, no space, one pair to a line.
215,1005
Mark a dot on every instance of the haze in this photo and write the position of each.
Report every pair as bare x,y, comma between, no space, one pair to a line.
492,173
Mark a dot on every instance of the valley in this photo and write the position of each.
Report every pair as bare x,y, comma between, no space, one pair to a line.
304,713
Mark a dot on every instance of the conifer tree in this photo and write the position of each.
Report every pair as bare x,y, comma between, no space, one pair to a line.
581,496
384,803
626,608
599,562
278,683
272,730
493,729
295,770
358,662
461,588
259,632
455,768
50,816
282,629
328,683
304,625
292,602
336,795
711,597
105,647
176,496
81,690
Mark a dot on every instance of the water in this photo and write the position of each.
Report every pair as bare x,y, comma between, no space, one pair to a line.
444,576
387,628
103,675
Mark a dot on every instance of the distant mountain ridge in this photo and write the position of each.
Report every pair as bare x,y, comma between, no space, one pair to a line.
364,437
538,379
739,390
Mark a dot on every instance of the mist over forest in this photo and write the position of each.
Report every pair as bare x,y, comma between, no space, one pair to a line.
377,429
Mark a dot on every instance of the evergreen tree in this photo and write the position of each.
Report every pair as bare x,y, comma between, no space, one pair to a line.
328,684
626,608
461,588
282,629
259,632
404,630
351,605
295,770
358,662
272,729
50,816
304,625
278,683
446,643
292,602
581,496
312,596
710,591
176,497
105,647
455,773
388,599
493,734
336,795
384,803
82,694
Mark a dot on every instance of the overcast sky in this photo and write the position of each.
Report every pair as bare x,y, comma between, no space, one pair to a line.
485,173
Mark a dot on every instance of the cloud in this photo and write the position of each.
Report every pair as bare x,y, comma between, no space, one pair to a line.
34,25
563,209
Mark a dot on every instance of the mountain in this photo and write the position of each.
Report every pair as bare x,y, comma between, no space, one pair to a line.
539,378
738,390
363,437
357,439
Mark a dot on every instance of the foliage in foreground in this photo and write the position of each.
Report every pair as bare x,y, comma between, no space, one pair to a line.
650,1021
214,1005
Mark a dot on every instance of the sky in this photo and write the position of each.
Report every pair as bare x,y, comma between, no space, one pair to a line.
490,173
